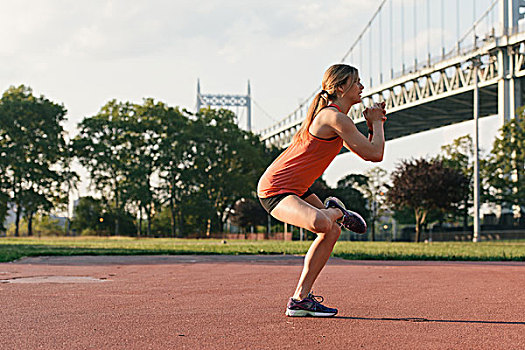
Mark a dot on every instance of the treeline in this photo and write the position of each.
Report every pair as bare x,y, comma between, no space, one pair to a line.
34,155
143,160
441,189
152,157
159,170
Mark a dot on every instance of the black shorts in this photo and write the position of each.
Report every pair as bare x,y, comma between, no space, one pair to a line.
270,203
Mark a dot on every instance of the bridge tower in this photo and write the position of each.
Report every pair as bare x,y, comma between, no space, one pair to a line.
509,88
219,100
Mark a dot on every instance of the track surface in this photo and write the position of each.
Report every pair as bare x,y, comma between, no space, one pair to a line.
237,302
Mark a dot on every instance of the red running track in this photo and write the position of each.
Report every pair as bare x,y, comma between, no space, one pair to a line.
238,302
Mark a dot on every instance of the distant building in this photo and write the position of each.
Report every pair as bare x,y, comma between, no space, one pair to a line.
11,217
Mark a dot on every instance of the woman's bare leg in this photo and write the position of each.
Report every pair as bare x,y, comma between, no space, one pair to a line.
308,215
315,260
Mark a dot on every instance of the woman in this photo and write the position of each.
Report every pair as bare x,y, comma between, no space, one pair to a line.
284,188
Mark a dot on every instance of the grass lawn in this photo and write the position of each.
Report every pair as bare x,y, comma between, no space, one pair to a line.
15,248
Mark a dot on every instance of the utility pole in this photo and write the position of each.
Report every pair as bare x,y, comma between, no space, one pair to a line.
475,66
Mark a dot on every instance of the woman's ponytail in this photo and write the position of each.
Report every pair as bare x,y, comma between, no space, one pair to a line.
319,102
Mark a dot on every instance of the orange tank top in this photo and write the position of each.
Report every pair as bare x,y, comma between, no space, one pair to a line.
296,169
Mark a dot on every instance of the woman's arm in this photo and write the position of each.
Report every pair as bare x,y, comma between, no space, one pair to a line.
369,149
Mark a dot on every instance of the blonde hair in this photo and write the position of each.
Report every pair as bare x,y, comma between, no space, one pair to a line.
335,76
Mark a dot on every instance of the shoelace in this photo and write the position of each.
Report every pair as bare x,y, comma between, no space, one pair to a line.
314,298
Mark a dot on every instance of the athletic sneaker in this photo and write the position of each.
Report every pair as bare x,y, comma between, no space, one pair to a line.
309,306
351,220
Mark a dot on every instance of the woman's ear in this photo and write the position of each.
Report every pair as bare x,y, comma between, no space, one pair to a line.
343,89
340,91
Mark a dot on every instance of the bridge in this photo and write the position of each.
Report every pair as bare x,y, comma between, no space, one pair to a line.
436,88
481,74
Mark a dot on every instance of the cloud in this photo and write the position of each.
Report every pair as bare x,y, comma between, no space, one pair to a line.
126,29
130,48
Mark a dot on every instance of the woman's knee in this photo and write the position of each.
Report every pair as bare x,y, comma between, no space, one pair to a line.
331,235
322,223
335,232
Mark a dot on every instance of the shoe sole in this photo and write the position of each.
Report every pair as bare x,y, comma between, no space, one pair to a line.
306,313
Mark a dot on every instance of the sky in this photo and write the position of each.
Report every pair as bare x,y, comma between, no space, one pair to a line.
84,53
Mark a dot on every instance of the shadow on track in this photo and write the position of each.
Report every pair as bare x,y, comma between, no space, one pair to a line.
416,319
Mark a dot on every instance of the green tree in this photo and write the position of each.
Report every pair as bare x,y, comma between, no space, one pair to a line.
423,186
161,222
103,147
350,190
87,214
125,220
70,180
4,183
404,216
32,145
143,135
506,165
460,156
227,161
371,187
5,177
33,202
248,212
4,198
45,225
175,158
322,190
195,214
375,192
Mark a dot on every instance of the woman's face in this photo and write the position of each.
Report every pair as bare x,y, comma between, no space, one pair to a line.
352,92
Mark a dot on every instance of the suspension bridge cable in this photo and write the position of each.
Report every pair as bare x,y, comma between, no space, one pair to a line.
370,55
368,25
473,28
360,54
358,40
415,34
264,112
474,19
380,47
442,29
492,19
403,34
391,43
457,22
473,10
428,32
